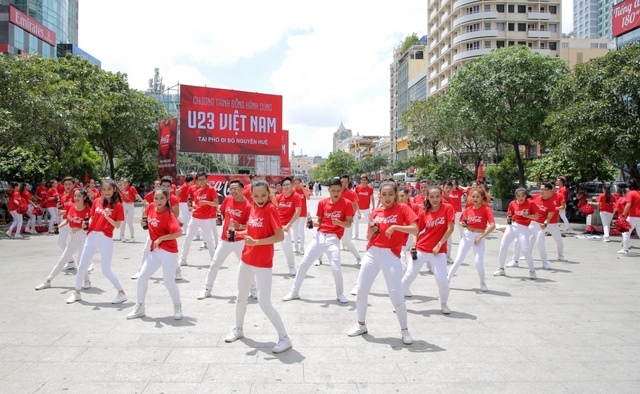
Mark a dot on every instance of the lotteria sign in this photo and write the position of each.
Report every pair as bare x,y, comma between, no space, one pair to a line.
229,121
626,17
24,22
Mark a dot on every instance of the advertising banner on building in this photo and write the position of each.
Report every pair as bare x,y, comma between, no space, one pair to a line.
167,150
229,121
26,23
626,17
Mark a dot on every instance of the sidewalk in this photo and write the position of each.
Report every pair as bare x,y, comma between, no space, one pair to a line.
575,329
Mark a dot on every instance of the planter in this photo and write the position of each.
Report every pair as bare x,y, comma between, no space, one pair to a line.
499,204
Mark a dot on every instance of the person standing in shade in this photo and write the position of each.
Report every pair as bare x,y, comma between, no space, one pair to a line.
52,203
66,201
607,204
106,215
164,229
435,225
13,193
183,199
352,197
263,230
334,215
298,226
562,190
631,213
289,208
364,191
391,223
129,195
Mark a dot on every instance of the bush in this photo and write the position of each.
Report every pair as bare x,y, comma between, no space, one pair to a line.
504,177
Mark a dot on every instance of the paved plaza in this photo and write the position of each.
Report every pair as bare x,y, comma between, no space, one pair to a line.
576,329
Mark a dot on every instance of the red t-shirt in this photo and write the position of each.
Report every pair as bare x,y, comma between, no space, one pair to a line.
419,199
620,204
75,217
303,201
41,192
455,199
399,214
478,218
262,223
633,196
433,226
206,194
563,191
246,192
52,192
128,195
162,223
173,200
26,194
544,207
604,207
517,210
560,200
67,201
96,193
14,200
327,211
238,211
287,207
350,195
184,192
60,188
99,223
364,196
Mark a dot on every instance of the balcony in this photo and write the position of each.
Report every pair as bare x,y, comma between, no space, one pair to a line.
433,43
474,34
472,53
444,65
546,52
461,3
433,59
539,34
473,17
433,89
444,82
545,16
444,49
433,73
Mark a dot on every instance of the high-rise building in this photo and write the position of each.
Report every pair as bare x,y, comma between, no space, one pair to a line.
592,18
625,25
339,136
460,31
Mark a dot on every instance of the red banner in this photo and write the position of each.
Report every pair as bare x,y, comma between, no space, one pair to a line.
229,121
24,22
626,17
285,165
167,156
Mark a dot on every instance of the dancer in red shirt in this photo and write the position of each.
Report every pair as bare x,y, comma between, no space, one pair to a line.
403,198
351,196
164,229
335,214
289,208
183,198
299,225
607,203
52,203
263,230
562,190
478,222
13,193
632,213
75,219
435,224
30,227
365,202
391,224
129,196
66,199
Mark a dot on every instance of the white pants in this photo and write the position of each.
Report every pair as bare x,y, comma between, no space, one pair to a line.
145,252
565,221
53,213
129,210
63,238
626,237
537,235
606,218
521,233
223,250
287,248
554,230
329,244
460,228
97,240
467,242
347,242
169,261
405,255
298,234
17,222
185,213
31,223
207,233
364,217
76,243
438,265
374,260
214,230
246,273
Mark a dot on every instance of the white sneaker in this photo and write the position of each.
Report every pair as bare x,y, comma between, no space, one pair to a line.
18,236
177,311
359,261
179,274
74,297
354,291
359,329
406,337
90,267
8,233
318,262
513,264
408,294
342,299
291,296
71,265
132,240
138,311
203,247
43,285
546,266
204,293
183,262
292,271
606,239
120,298
283,345
562,258
254,293
86,285
235,334
449,260
445,309
136,275
624,252
532,275
483,287
301,252
499,272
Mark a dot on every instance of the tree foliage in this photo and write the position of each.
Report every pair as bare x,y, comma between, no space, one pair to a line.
424,126
337,164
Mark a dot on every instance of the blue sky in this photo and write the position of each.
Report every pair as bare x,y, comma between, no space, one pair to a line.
329,60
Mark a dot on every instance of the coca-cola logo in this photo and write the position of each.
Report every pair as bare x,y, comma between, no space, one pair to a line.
333,215
153,222
522,212
393,219
364,193
438,222
165,137
542,208
286,204
74,219
221,186
474,219
255,222
234,212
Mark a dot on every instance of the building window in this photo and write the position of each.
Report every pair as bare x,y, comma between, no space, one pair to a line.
471,46
500,7
522,27
33,44
565,45
473,27
603,46
511,26
553,27
542,45
500,44
522,9
487,25
511,8
522,43
552,46
553,9
487,44
511,43
487,7
500,26
473,10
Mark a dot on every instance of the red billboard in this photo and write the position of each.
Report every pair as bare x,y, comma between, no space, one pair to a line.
167,153
24,22
229,121
626,17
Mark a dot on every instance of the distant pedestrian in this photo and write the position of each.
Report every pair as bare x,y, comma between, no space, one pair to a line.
631,213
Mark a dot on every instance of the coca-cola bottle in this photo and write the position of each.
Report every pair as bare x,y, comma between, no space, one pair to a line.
145,223
509,218
85,223
218,219
309,222
377,230
189,202
231,234
56,229
414,253
464,222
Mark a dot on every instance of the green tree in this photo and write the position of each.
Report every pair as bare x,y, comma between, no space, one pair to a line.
503,178
425,129
599,115
372,164
507,94
337,164
561,162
